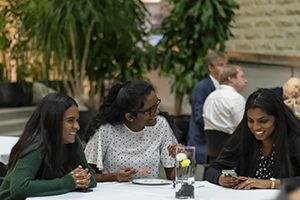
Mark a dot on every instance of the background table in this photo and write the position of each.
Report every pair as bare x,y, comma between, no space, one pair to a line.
6,144
129,191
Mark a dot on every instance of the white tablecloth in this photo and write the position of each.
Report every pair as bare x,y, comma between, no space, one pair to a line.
129,191
6,144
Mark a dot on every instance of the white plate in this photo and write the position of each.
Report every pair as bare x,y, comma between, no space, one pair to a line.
152,181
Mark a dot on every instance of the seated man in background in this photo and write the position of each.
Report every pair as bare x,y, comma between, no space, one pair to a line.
224,108
289,92
214,61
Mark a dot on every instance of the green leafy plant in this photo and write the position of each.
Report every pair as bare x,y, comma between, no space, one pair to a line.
5,43
84,43
191,29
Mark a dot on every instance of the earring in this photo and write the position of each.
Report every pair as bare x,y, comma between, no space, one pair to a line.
131,120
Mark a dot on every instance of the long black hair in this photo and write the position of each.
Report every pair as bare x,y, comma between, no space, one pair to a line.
44,129
122,98
246,147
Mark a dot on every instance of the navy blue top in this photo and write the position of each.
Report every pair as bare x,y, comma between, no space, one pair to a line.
278,90
196,135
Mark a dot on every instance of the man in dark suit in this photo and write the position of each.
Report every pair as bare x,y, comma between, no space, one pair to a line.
214,61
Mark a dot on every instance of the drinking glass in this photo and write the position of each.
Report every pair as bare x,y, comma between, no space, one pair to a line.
297,110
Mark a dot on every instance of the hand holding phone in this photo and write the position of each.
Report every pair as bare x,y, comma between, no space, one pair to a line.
230,172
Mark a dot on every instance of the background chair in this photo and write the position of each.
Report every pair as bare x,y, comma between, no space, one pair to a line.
182,122
3,171
215,141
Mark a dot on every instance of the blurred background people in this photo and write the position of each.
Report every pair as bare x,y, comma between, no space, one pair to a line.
264,149
48,159
128,134
214,61
289,91
224,108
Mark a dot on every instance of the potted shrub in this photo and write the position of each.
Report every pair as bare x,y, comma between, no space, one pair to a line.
84,43
191,29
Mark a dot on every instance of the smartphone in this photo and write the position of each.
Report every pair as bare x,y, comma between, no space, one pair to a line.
230,172
84,190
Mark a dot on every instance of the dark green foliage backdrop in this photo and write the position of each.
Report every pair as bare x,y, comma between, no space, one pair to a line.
97,41
79,39
192,28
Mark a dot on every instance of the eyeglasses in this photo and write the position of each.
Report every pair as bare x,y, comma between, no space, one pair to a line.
151,111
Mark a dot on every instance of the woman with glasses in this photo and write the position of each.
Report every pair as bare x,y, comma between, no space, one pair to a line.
128,134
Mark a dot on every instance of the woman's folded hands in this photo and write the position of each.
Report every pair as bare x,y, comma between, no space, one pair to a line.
81,177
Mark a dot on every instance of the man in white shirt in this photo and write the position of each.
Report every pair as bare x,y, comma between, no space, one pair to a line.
224,108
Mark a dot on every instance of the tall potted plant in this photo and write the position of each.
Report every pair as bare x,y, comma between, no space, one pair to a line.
5,43
82,42
12,93
191,29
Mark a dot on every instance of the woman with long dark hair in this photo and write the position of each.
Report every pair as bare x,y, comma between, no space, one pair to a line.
48,159
129,133
264,149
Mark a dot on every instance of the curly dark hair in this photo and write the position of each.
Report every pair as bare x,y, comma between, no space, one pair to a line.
122,98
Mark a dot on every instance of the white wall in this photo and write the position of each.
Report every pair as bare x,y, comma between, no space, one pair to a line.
264,76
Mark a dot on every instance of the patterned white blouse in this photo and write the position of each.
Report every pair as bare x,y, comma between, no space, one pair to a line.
113,148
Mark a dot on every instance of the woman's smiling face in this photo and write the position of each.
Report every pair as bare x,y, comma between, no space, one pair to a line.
261,124
70,124
141,119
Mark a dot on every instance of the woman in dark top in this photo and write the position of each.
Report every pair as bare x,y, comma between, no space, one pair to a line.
264,150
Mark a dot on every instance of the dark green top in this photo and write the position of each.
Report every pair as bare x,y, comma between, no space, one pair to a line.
21,183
